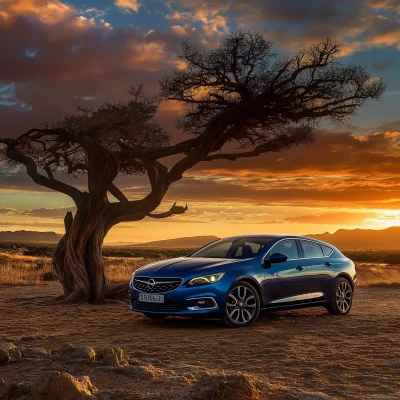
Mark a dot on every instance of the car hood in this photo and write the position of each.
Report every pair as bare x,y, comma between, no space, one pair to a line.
179,267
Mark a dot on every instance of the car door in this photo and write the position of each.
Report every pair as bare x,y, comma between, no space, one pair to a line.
284,283
319,272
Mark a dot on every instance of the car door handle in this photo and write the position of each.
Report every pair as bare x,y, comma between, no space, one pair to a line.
300,268
328,264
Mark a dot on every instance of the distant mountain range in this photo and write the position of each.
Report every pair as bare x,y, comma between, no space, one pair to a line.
29,236
353,239
191,242
363,239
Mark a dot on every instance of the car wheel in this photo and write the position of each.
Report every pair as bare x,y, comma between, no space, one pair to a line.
242,305
341,297
155,316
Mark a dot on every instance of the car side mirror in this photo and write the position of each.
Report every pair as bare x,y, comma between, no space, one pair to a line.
275,258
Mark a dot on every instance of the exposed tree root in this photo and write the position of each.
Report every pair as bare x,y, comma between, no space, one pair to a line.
118,291
74,298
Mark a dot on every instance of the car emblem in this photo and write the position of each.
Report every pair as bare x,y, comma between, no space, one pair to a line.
151,283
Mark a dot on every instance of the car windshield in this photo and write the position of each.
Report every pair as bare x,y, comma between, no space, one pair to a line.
235,248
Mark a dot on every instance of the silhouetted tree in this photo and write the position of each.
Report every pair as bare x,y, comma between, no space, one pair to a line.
240,100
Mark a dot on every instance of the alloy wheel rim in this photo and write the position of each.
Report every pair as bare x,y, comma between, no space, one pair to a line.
241,305
343,297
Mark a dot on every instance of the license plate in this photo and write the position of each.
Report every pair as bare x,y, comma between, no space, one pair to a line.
151,298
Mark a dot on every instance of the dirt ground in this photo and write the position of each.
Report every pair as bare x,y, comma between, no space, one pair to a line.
308,353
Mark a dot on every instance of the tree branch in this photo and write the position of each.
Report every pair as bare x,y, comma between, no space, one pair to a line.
117,194
175,210
153,154
50,183
135,210
294,137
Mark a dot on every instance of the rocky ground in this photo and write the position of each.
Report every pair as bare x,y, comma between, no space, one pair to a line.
51,351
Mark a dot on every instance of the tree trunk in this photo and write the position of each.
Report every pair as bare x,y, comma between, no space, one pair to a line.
78,258
94,263
64,274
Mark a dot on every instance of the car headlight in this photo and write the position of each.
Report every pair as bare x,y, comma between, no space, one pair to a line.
206,279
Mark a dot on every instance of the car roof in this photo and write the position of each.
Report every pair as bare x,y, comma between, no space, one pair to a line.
277,236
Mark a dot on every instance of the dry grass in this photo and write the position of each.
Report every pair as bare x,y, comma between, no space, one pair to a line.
20,269
16,269
371,274
120,269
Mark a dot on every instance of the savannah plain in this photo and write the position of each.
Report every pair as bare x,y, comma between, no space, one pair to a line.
301,354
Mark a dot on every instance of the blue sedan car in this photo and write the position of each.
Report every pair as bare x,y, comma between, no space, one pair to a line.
237,277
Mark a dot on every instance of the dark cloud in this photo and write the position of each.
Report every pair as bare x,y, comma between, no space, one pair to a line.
358,24
48,212
9,211
342,153
382,65
38,212
50,66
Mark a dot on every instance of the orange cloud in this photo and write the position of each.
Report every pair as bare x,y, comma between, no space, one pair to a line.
385,4
337,218
128,5
213,23
47,11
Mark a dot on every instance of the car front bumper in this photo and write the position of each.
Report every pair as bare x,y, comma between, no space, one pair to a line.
183,301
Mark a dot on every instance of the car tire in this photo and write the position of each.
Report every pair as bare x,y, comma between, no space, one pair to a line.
341,297
242,305
155,316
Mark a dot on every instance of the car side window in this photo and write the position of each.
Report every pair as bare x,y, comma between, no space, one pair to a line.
288,247
327,250
311,249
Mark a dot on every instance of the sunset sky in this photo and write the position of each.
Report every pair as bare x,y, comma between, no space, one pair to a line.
56,55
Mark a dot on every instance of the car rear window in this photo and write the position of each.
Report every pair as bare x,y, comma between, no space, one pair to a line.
327,250
311,249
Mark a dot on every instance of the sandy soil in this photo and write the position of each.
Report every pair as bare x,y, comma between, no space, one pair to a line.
308,353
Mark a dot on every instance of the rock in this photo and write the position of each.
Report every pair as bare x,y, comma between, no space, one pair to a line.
66,347
137,372
8,346
67,352
225,387
120,353
62,386
4,356
103,352
15,354
27,338
111,359
20,391
35,352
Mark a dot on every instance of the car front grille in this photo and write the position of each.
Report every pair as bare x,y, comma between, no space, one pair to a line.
156,285
171,306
